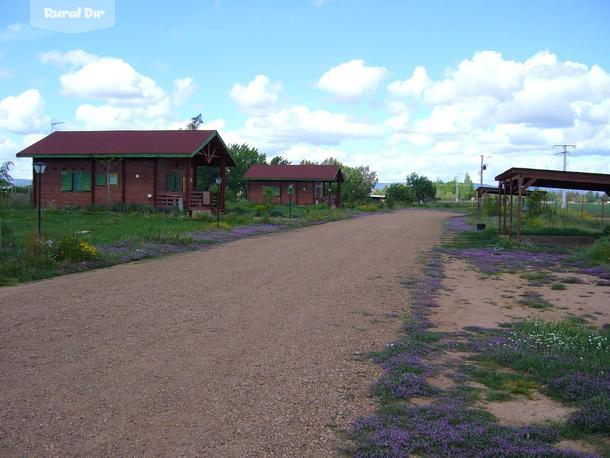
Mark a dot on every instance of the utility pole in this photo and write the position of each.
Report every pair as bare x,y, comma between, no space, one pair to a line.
483,168
564,193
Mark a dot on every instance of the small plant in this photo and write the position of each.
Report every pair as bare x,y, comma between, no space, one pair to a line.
71,249
534,300
558,286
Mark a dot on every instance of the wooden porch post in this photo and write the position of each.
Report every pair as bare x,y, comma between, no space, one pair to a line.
223,184
187,185
123,180
155,180
519,184
93,181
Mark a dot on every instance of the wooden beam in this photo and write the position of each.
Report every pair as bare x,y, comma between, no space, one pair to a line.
187,185
155,179
123,180
93,182
499,207
519,187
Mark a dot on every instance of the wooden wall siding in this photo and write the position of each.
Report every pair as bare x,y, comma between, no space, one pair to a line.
303,192
136,181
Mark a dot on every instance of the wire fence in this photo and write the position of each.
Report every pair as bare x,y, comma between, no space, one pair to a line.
16,198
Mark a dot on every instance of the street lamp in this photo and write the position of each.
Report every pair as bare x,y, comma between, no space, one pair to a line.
218,182
39,169
290,191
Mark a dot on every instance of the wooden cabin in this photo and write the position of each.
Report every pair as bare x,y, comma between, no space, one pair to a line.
310,184
162,168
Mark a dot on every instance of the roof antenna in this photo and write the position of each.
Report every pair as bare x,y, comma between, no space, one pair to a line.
53,124
564,194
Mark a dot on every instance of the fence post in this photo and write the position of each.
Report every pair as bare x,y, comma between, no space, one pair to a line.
603,202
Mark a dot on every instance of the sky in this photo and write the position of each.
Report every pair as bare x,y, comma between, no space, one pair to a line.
400,86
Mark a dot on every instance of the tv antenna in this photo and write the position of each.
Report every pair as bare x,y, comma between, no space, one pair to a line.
564,194
53,124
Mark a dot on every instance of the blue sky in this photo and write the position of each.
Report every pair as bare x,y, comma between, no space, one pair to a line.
401,86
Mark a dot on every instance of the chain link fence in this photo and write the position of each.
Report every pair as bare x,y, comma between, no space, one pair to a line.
16,198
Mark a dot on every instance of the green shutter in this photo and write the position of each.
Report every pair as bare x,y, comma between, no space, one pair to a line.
66,181
85,181
169,183
100,179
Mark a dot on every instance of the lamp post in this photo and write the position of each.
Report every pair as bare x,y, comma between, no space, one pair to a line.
218,182
290,190
39,169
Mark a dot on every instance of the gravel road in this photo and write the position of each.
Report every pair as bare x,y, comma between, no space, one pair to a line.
249,348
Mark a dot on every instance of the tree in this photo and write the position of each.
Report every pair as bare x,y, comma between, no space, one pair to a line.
244,156
422,187
358,184
5,178
195,123
279,160
398,192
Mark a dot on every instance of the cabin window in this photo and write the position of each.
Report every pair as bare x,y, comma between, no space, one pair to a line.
319,189
113,179
273,190
66,181
173,183
75,181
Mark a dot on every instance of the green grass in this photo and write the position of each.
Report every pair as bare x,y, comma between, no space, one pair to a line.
534,300
503,385
558,286
536,275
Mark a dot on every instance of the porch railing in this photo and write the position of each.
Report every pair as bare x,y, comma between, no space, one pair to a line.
198,199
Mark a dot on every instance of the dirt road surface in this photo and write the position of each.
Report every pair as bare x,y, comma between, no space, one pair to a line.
249,348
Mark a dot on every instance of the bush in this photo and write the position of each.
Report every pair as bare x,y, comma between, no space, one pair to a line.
398,192
600,251
70,248
276,212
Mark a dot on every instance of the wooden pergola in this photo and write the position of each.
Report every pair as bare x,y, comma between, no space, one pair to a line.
516,181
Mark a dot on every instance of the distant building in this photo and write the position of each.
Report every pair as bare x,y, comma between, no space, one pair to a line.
311,184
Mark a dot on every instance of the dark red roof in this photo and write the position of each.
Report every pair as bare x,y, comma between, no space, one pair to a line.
294,172
122,143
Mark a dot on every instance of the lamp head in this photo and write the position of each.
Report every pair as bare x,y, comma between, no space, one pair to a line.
40,167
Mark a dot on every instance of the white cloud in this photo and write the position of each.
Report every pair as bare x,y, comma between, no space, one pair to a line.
299,124
413,86
24,113
257,96
352,79
513,110
129,99
184,88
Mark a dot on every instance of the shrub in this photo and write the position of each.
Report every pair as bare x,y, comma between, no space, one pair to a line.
276,212
600,251
70,248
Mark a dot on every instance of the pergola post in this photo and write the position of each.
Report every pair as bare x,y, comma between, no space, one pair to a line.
511,209
519,185
499,207
505,202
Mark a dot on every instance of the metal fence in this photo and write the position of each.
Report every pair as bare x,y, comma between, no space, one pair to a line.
20,198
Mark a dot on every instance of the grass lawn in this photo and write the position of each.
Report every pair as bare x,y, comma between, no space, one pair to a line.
71,238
